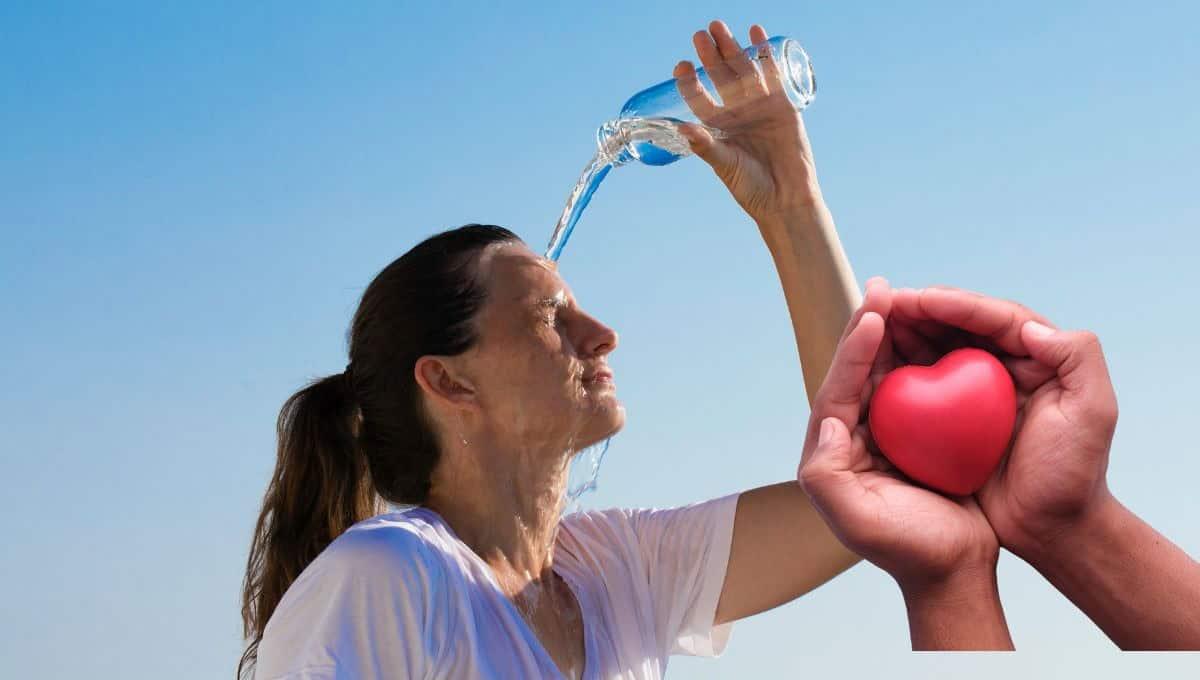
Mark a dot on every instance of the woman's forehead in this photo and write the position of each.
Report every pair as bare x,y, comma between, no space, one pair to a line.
516,273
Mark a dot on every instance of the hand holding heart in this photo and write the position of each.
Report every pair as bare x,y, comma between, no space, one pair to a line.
918,536
1054,474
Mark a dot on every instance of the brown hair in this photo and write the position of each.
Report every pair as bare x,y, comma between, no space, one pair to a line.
351,441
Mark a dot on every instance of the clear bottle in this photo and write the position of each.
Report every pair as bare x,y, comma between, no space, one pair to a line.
645,129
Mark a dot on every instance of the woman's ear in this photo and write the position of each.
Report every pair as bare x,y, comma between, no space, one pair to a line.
442,381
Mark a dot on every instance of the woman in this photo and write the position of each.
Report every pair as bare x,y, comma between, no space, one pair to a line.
474,377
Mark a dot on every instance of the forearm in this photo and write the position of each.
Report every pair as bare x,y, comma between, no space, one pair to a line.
818,283
781,549
961,613
1142,590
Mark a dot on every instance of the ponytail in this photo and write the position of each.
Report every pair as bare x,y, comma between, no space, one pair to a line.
352,442
320,487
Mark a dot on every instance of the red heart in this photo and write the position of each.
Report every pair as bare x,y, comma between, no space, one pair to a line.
946,425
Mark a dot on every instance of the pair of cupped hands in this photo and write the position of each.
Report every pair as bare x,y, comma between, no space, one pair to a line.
1052,476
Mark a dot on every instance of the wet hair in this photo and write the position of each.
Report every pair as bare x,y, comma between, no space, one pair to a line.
350,443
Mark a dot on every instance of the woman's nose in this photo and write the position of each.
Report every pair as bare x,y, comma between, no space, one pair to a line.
601,340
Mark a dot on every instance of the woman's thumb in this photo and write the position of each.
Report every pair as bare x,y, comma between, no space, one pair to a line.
714,152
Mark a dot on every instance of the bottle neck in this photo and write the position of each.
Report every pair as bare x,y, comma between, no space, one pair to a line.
613,143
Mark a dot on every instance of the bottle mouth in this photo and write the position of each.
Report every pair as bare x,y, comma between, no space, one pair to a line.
798,70
612,143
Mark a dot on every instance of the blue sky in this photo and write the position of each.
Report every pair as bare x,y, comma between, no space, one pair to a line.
193,197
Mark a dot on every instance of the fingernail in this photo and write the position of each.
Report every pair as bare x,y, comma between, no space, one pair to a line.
826,432
1038,330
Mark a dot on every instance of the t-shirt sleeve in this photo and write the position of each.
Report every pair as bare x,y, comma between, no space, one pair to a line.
686,553
366,608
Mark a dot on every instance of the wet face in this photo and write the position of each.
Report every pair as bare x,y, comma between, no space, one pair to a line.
539,370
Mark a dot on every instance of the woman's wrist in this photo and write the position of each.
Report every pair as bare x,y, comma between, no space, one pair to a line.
798,230
957,611
805,211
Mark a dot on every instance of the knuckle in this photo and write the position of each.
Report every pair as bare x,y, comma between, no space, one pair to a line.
1103,410
810,477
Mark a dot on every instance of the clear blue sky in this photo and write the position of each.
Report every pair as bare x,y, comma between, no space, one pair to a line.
193,197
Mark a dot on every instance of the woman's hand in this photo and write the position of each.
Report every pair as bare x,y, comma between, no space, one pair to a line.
921,538
764,156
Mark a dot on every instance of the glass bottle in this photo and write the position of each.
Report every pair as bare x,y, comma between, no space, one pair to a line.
645,129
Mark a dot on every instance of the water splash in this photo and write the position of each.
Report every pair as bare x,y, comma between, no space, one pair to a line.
595,172
585,468
651,141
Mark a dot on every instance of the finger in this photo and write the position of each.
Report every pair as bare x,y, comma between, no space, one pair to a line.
840,395
719,155
926,339
722,77
885,361
912,345
758,34
737,61
877,297
1028,374
828,476
997,320
1078,361
693,91
767,65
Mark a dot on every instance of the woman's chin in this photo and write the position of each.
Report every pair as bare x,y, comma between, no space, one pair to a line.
606,422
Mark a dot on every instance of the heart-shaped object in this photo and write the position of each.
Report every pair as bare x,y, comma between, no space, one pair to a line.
946,425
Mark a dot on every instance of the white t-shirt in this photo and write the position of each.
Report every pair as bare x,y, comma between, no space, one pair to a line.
400,596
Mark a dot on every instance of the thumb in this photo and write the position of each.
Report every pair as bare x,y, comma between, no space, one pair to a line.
828,466
719,155
1077,359
827,476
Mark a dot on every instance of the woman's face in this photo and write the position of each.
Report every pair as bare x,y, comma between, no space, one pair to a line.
539,369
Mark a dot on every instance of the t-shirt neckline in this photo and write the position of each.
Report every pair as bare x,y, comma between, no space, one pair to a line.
569,578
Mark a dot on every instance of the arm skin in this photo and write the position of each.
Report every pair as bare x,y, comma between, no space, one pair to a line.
1141,589
962,613
781,546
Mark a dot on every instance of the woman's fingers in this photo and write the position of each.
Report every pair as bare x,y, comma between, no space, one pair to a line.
722,77
693,92
746,76
758,34
767,65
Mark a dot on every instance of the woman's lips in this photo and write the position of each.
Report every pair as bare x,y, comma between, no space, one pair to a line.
600,377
